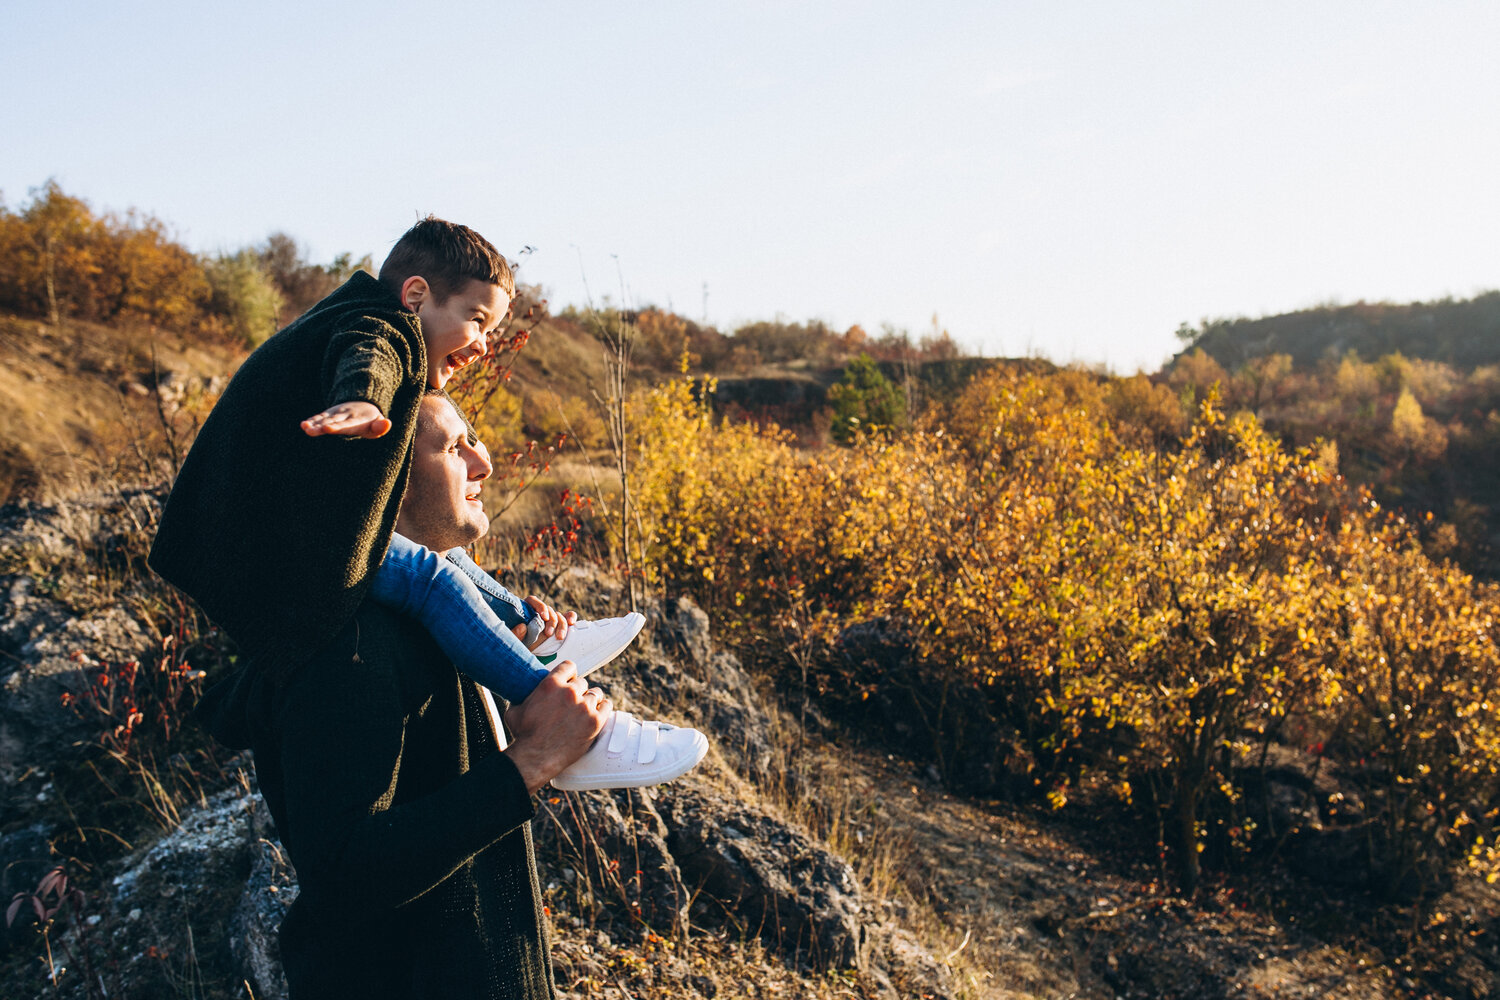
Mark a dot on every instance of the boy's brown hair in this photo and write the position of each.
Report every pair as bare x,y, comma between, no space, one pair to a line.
449,256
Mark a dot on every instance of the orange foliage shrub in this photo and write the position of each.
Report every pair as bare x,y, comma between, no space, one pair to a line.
58,259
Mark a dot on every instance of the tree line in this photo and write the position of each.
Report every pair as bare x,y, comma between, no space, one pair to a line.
61,260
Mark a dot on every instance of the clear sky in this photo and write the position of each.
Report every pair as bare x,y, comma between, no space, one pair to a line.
1065,179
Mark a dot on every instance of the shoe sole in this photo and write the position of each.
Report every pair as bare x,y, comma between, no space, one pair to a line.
602,659
637,779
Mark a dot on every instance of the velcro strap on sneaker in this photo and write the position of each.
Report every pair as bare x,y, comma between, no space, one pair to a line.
620,734
648,742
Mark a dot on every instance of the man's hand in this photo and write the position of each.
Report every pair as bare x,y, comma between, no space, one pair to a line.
554,623
357,419
555,725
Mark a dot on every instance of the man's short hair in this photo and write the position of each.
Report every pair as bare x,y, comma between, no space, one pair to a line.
448,256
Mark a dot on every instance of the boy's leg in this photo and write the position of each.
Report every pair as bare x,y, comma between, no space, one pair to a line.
631,753
507,606
590,643
418,582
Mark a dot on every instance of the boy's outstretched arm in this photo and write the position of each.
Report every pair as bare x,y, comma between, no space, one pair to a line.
356,419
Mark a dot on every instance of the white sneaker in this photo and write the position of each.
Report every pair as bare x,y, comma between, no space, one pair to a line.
630,753
591,644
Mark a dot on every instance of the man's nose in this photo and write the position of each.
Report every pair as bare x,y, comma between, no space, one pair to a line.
480,467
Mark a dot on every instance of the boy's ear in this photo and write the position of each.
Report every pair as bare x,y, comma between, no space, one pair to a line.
414,292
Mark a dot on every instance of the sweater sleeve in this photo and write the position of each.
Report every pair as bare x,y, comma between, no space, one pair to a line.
344,729
365,365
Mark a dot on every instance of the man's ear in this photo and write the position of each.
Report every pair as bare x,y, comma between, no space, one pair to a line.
415,291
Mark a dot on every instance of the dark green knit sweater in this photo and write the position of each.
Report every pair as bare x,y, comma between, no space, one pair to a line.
407,826
273,533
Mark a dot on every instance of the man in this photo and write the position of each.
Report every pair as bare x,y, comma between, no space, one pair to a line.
404,811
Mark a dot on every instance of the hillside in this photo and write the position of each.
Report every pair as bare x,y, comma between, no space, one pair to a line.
1464,334
1408,396
809,863
75,397
83,400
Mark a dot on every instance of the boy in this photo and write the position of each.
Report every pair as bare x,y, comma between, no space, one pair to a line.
279,522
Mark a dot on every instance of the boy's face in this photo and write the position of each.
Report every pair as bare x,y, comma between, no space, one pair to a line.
456,330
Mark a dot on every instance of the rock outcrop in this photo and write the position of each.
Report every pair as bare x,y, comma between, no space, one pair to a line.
754,871
46,649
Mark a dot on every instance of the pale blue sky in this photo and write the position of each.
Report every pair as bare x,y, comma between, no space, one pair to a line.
1069,179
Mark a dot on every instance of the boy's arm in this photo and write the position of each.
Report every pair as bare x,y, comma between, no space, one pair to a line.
356,419
362,369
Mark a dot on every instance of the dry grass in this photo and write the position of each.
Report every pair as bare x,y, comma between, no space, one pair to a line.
74,405
820,787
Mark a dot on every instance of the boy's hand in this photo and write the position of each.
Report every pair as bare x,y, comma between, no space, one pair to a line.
554,623
357,419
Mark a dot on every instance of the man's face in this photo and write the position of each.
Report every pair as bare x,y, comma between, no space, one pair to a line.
442,508
456,330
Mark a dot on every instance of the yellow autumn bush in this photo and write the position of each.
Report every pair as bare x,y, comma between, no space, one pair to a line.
1140,616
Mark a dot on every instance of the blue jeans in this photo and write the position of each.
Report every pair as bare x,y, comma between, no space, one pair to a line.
466,612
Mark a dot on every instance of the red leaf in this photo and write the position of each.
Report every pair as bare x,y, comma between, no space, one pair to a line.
54,881
14,908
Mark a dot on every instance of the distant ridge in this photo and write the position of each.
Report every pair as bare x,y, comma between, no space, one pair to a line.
1462,333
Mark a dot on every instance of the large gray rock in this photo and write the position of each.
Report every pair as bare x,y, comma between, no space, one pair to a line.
52,652
743,866
684,626
219,875
681,667
766,876
49,648
255,925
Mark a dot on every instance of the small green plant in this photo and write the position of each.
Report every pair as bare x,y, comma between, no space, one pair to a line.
864,398
244,295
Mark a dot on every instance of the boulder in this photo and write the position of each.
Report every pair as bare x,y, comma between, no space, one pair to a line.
683,629
254,927
736,720
769,878
49,648
216,887
51,653
682,668
618,841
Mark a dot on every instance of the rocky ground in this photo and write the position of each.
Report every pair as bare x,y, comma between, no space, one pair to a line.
790,864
